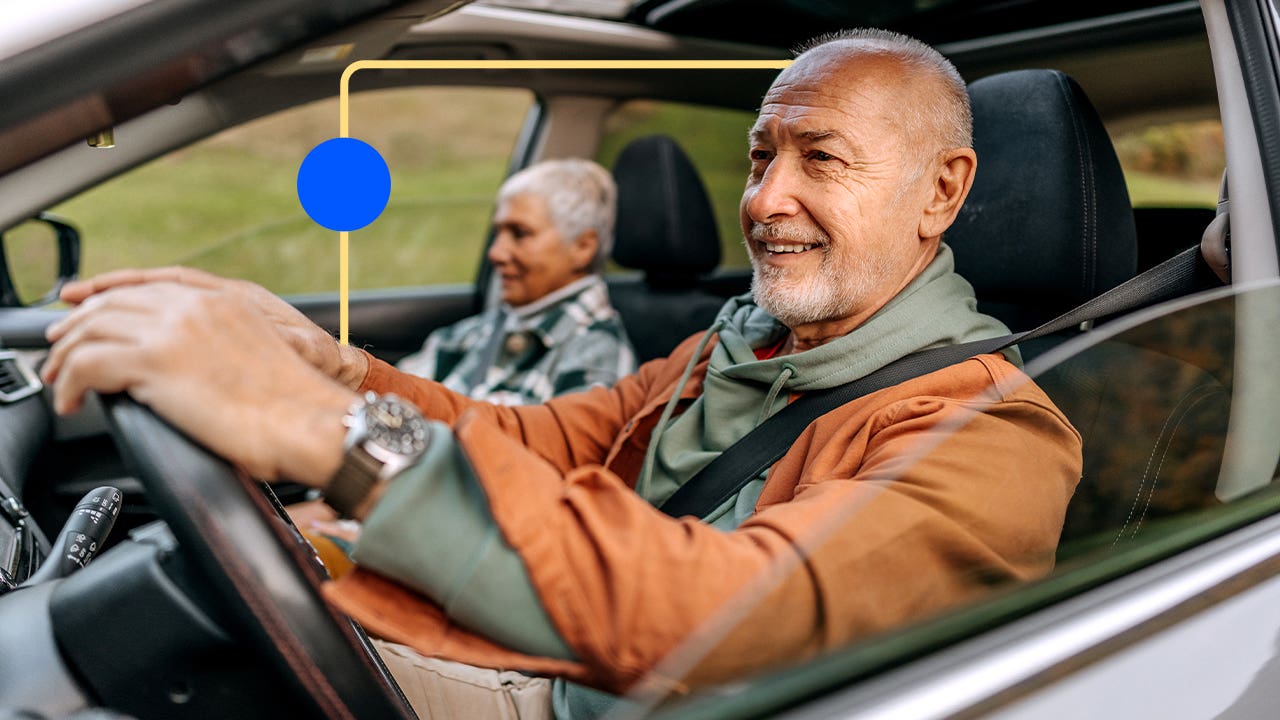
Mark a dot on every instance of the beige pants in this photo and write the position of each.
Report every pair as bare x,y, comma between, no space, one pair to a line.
445,690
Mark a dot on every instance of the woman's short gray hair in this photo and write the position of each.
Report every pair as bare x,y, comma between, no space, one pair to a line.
580,196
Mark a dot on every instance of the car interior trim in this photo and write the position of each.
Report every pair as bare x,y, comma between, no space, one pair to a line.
1251,451
137,142
183,44
530,26
1249,25
1124,26
54,690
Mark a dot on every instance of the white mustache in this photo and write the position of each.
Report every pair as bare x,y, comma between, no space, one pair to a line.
791,233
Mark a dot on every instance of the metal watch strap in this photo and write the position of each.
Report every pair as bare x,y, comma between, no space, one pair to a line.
353,482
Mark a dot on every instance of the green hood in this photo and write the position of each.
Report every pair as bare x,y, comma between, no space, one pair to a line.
937,308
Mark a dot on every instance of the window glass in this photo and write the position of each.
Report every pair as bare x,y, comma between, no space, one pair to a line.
229,204
1176,408
1175,164
714,138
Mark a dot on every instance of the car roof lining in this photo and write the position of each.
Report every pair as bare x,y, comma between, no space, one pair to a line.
788,22
1164,52
62,90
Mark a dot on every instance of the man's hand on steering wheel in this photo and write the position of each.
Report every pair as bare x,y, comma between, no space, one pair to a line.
209,361
340,362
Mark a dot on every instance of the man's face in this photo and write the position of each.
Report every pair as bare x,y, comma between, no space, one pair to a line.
529,254
830,212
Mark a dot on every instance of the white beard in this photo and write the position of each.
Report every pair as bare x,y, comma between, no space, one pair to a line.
835,291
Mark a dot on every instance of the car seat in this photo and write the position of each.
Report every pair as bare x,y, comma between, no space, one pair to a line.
1046,227
665,229
1048,223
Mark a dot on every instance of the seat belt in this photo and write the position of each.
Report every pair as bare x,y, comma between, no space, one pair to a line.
759,449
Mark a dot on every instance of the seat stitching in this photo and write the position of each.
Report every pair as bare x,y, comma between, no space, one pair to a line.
666,160
1088,197
1209,391
1151,458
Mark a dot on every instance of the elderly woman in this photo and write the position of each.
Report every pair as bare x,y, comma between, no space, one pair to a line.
554,331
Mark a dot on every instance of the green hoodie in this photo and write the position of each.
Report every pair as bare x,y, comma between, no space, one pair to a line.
739,392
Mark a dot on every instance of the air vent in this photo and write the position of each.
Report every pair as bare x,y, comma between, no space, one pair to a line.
17,381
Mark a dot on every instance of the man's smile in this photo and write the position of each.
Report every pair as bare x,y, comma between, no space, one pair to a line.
789,248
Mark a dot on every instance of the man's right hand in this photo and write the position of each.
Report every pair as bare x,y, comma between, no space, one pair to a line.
343,363
210,362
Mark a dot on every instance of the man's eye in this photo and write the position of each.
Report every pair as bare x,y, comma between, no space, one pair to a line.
758,155
821,156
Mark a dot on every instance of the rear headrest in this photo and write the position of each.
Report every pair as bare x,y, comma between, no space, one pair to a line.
665,224
1048,223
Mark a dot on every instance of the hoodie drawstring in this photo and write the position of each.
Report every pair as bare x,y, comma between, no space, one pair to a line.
651,452
788,371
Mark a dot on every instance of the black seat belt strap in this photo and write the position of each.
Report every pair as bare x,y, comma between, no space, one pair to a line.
759,449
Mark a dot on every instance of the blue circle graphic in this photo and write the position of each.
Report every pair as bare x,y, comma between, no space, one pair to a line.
344,184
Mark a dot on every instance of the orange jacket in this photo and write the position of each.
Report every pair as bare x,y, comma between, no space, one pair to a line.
892,507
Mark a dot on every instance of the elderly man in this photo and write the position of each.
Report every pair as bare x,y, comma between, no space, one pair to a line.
526,538
555,331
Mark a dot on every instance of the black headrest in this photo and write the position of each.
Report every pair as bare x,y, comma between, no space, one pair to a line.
1048,223
665,223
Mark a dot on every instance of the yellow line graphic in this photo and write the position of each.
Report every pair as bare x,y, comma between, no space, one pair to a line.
353,68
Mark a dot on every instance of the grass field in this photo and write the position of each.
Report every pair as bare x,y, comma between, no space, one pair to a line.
1149,189
229,204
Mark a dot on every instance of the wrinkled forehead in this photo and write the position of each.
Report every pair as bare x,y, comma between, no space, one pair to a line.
855,89
840,69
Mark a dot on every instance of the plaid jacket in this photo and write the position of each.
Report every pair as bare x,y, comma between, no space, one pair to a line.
566,341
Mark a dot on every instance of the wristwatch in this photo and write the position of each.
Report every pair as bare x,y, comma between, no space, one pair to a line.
385,435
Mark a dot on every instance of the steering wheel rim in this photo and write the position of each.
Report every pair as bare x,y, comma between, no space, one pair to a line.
232,534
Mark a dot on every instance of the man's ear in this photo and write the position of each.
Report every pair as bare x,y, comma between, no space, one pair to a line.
953,178
583,250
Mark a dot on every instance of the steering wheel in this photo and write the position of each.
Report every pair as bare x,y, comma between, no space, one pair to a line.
258,565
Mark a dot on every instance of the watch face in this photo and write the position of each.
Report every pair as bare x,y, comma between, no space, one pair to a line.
396,426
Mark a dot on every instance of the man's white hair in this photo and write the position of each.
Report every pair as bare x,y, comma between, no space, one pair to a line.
942,120
580,196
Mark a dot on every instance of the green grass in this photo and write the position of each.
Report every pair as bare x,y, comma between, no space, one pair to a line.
1151,190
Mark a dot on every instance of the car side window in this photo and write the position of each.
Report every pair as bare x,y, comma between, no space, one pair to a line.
1173,164
715,140
229,205
1173,171
1175,419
